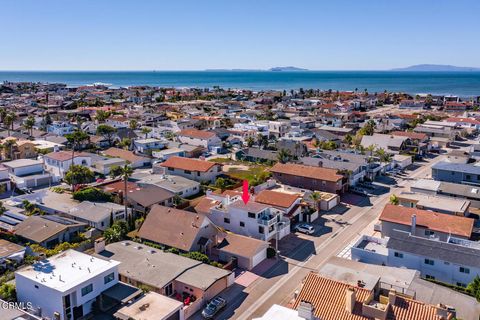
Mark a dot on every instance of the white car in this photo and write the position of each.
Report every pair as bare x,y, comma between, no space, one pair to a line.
305,228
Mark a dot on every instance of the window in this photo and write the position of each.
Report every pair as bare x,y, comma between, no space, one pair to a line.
260,229
429,277
109,278
187,171
468,177
170,169
429,262
226,220
169,290
242,224
429,233
464,270
461,284
252,215
398,255
86,290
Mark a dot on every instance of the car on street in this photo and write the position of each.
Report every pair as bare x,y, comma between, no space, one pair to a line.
305,228
213,307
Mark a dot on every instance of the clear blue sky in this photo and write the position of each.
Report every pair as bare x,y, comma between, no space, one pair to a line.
200,34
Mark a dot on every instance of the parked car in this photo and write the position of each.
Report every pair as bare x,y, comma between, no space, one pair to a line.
305,228
213,307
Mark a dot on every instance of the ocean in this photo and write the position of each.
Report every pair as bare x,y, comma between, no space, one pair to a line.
456,83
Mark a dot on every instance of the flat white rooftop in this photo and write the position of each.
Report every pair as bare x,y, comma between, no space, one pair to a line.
277,312
66,270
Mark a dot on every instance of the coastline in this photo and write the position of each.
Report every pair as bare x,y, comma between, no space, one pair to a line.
464,84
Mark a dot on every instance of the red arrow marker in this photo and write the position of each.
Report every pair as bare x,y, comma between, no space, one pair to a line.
246,193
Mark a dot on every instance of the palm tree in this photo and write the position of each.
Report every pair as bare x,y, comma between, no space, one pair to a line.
125,173
133,124
315,197
9,146
250,141
8,120
77,139
146,131
370,149
383,155
28,124
284,155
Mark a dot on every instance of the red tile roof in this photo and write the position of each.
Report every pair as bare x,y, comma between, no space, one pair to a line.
277,199
188,164
447,223
328,298
318,173
463,120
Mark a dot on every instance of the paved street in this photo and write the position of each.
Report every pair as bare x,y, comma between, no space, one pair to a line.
302,254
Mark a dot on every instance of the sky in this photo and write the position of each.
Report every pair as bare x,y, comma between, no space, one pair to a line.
224,34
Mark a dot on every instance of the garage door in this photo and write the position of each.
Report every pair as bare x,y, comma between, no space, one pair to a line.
43,181
259,257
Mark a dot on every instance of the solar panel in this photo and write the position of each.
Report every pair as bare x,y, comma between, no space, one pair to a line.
60,220
9,220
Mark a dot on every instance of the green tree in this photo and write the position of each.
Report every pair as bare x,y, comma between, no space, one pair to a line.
116,232
78,174
221,183
315,197
348,139
146,131
9,146
125,143
383,155
250,141
133,124
76,139
394,199
8,121
474,287
102,115
8,292
107,132
284,155
28,124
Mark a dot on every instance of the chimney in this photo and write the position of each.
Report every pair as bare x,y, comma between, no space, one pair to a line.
350,299
305,310
392,296
414,224
99,245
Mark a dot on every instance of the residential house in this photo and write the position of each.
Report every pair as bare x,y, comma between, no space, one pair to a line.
194,169
61,128
71,280
105,166
251,219
458,207
181,186
355,172
97,214
10,252
308,177
287,203
28,173
456,173
390,143
424,223
135,161
142,199
184,230
199,138
248,252
48,230
59,162
190,281
21,149
327,299
147,146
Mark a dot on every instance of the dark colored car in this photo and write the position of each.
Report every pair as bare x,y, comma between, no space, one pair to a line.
213,307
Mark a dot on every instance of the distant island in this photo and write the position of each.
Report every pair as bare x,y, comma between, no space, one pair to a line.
436,67
289,68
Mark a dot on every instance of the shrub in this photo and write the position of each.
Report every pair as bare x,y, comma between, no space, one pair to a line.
271,252
216,264
92,194
197,256
8,292
173,250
